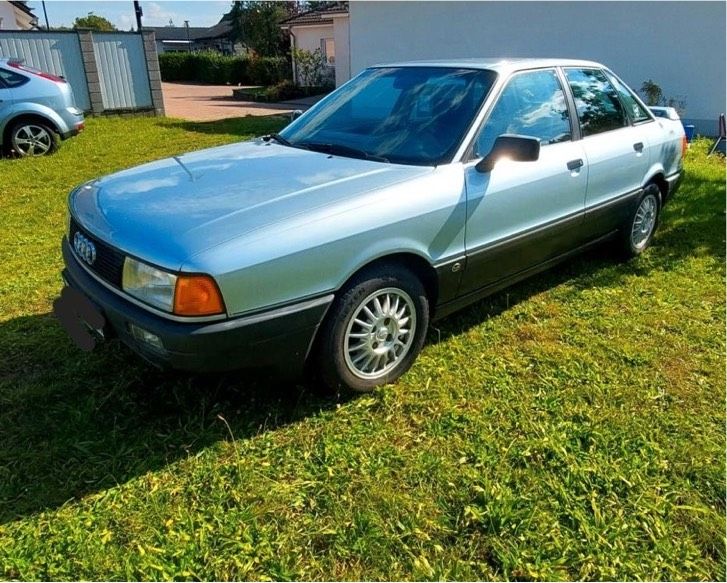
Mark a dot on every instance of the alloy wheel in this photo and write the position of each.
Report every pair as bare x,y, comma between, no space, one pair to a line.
32,140
380,333
644,221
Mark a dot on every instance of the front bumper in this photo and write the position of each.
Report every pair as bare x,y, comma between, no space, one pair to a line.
279,339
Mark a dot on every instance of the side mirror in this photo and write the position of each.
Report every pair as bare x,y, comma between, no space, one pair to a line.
514,147
295,114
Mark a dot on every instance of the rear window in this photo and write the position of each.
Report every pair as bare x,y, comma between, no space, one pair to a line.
11,79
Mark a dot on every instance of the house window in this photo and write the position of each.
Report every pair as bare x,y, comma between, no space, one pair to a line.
328,48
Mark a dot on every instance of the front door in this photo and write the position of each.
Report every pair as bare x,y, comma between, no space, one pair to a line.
521,214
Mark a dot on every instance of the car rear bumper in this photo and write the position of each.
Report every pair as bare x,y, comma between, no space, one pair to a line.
75,128
673,183
278,339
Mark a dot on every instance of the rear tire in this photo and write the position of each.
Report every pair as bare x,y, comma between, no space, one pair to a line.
638,232
374,331
32,138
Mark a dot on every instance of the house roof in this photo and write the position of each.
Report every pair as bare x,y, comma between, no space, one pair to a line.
176,32
22,6
179,33
222,28
322,16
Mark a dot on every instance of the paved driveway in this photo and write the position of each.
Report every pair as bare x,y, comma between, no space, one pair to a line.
210,102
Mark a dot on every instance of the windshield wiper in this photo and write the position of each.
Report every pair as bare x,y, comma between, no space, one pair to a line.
280,139
343,151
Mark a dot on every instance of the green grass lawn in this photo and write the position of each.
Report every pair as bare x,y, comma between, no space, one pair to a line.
570,427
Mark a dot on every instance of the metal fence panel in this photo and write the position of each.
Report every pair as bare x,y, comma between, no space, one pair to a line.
122,70
55,52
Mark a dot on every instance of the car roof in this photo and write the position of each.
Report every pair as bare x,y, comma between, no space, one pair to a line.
500,65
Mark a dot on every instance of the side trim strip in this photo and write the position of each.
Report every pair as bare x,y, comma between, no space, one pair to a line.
450,307
615,200
526,233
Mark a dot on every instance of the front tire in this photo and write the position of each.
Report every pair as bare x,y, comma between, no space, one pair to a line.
374,331
638,232
31,138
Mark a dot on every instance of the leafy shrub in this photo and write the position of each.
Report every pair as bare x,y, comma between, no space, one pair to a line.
312,68
283,91
215,68
268,70
287,90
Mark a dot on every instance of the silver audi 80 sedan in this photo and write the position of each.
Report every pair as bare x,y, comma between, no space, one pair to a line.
409,192
36,108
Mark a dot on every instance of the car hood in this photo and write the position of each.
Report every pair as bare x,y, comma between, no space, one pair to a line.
169,210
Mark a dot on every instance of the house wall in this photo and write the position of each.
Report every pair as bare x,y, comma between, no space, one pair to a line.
7,16
680,45
343,57
308,37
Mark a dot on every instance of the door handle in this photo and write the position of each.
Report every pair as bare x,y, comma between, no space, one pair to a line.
639,146
575,164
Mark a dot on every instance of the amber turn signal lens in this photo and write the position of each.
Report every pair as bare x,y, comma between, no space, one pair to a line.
197,295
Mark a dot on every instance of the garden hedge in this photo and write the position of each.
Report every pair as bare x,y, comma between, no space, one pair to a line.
217,69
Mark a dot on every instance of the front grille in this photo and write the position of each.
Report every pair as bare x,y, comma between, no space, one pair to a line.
109,263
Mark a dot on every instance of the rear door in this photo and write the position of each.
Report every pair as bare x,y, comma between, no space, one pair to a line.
616,150
521,214
6,98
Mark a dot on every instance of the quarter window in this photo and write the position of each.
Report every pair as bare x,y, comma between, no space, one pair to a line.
635,110
10,79
597,102
532,104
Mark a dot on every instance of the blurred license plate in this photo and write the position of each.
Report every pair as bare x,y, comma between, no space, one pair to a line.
82,319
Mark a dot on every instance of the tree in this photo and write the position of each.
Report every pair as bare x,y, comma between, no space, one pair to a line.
94,22
322,4
257,26
652,93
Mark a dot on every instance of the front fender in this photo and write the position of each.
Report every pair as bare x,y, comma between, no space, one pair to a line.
317,253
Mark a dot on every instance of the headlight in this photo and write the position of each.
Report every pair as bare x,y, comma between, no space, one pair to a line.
183,294
149,284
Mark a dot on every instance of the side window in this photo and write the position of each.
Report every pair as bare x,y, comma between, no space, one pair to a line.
634,109
597,103
532,104
10,79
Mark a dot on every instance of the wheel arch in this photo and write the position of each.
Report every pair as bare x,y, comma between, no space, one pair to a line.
29,117
656,175
414,262
660,180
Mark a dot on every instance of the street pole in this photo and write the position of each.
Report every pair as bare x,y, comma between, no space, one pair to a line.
139,13
189,46
45,13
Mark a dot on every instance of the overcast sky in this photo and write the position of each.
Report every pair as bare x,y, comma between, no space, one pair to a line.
157,13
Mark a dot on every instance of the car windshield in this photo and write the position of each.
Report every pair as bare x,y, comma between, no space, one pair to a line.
404,115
